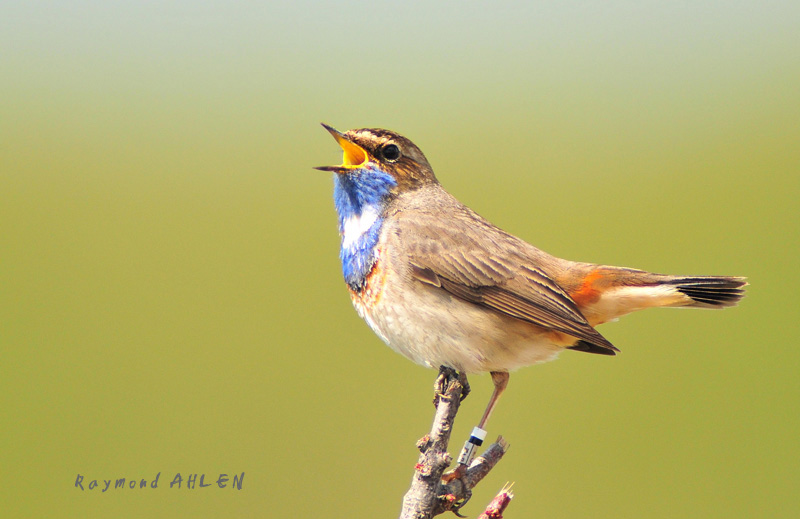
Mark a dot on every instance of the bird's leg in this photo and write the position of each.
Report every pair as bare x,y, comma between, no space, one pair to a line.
500,380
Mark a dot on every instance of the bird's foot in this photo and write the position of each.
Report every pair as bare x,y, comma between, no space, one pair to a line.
445,378
457,474
440,385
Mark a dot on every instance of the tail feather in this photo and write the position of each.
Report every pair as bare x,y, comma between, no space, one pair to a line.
607,293
709,292
588,347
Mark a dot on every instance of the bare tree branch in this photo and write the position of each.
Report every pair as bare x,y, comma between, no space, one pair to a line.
429,495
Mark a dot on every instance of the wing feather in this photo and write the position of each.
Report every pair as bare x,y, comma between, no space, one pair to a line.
530,296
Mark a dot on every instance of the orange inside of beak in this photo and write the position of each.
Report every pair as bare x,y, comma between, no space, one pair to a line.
354,155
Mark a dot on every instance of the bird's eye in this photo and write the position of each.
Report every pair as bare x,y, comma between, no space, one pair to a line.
391,152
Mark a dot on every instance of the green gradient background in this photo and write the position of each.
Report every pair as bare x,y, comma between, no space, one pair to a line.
170,288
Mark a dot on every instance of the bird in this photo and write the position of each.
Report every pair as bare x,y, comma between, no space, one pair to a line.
444,287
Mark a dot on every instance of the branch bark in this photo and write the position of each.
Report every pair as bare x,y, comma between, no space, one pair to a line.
429,495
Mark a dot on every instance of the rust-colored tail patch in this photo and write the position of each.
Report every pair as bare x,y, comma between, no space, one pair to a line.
587,293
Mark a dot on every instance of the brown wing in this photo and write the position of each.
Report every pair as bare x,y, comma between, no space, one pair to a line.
479,263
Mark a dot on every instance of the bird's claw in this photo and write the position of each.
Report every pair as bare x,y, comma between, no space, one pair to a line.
446,375
465,389
458,474
458,505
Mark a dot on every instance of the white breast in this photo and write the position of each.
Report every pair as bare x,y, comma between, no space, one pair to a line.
357,225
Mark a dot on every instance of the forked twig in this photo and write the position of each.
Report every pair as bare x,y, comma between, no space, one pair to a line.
429,495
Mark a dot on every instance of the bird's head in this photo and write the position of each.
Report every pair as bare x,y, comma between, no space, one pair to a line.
372,154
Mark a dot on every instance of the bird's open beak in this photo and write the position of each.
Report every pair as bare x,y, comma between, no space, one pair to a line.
354,155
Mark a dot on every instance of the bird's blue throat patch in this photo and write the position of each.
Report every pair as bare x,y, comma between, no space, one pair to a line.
360,197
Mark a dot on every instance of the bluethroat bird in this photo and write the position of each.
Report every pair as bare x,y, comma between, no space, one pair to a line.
444,287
